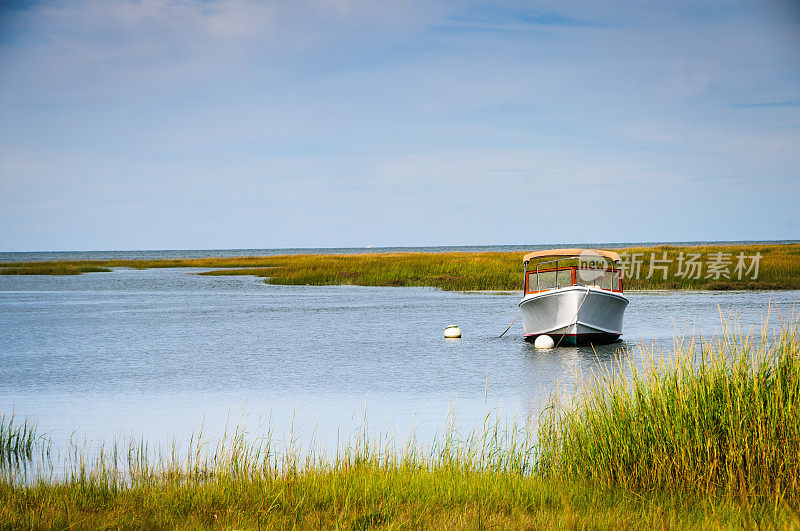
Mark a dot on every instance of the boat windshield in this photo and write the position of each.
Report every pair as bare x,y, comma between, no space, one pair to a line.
602,278
553,278
550,279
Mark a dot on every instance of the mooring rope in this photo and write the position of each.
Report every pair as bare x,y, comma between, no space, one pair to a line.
509,326
575,317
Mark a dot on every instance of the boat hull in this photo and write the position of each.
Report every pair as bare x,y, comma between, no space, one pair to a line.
574,315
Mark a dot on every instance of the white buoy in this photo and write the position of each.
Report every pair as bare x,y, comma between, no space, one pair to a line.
544,341
452,332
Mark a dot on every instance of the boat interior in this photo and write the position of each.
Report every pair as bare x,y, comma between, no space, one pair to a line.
601,272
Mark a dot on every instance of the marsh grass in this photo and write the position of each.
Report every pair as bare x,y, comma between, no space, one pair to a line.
19,440
366,497
50,268
718,417
706,437
484,478
449,271
779,268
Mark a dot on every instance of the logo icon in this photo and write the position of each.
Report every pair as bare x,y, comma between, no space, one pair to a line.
589,262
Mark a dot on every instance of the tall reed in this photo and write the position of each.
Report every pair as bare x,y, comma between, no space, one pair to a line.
718,416
18,440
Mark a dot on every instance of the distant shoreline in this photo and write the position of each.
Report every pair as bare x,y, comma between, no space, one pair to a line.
762,266
171,254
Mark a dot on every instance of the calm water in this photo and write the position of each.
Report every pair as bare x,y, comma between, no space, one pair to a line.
153,353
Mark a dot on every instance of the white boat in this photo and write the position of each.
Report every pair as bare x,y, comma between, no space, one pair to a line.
573,295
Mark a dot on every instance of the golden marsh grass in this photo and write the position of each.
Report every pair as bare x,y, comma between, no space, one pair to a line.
779,268
718,417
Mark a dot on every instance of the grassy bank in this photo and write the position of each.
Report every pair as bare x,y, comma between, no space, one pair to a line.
719,418
372,497
778,268
706,438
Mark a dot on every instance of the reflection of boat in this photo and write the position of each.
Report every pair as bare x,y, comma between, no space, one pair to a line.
575,297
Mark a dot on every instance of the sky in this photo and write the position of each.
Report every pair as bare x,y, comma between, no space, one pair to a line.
161,124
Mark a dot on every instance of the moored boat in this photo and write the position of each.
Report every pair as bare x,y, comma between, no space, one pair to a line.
573,295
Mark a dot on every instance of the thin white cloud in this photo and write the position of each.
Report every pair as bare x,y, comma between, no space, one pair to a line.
98,47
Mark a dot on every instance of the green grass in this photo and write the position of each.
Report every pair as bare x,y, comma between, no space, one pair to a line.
45,267
706,438
779,268
50,268
721,418
484,481
450,271
18,440
371,497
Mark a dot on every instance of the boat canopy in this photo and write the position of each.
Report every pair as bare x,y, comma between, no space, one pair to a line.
570,252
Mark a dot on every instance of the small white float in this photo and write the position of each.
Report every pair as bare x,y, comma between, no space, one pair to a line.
452,332
544,341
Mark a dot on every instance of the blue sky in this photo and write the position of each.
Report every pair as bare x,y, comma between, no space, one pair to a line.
164,124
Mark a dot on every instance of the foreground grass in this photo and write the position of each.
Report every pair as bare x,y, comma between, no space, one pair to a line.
779,268
364,489
719,418
366,496
706,438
